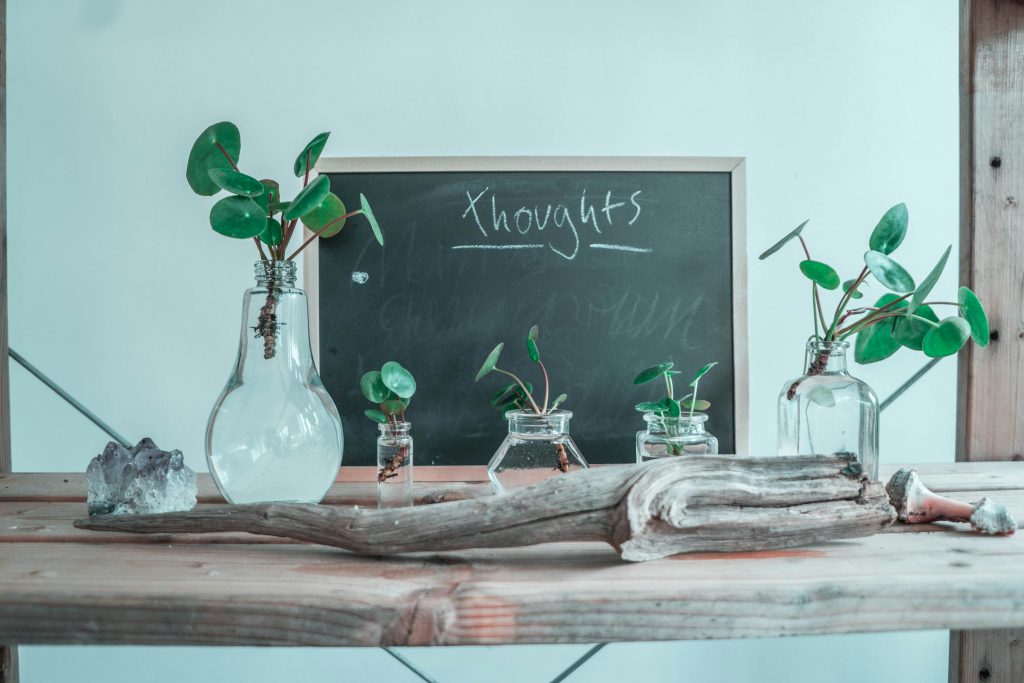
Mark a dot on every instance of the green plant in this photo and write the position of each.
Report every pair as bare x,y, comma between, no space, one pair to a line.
518,394
669,406
901,317
252,207
391,389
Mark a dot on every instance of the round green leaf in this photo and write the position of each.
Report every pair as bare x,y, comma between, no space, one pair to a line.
781,243
490,361
368,212
690,404
972,310
534,333
890,231
373,387
700,373
273,233
925,288
910,332
653,373
876,343
532,350
309,198
855,294
674,409
398,379
206,155
648,406
271,194
947,338
312,151
819,272
236,182
559,401
279,206
376,416
330,209
888,272
393,407
239,217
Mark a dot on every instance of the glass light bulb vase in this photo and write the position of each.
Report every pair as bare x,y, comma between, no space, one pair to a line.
394,465
672,436
537,447
827,411
274,433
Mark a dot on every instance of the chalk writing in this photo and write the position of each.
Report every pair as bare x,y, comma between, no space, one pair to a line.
592,218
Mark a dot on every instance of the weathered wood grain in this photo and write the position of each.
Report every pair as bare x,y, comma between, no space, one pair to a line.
558,593
661,508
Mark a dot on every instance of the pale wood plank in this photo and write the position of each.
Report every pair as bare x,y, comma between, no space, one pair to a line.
991,380
558,593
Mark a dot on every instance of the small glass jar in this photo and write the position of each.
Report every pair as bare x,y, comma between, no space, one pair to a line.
394,465
670,436
274,433
827,411
537,447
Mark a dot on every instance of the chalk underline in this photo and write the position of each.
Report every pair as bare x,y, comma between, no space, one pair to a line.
615,247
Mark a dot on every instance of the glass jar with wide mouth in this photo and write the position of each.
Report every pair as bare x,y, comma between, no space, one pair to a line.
537,446
667,436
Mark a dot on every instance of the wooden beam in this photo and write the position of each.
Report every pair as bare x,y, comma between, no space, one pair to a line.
990,423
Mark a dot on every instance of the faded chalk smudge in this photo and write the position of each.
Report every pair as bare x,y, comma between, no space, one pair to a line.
359,277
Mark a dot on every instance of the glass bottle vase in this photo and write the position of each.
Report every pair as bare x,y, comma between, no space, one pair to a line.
827,411
394,465
671,436
537,447
274,433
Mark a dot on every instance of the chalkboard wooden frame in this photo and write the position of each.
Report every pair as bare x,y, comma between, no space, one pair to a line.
734,166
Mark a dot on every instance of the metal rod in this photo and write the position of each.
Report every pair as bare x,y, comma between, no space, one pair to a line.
38,374
578,663
409,665
909,383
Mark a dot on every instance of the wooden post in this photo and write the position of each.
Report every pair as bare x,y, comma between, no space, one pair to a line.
991,380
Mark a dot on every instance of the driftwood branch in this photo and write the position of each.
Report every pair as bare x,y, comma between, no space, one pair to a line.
675,505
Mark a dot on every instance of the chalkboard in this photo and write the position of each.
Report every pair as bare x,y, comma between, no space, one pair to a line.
622,263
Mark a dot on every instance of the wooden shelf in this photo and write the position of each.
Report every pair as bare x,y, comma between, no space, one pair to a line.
59,584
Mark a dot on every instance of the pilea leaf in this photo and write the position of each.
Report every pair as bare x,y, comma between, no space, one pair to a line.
821,273
700,373
947,338
888,272
273,233
876,343
238,217
271,194
972,311
312,150
910,332
371,219
890,231
309,198
490,361
376,415
562,398
925,288
393,407
398,379
653,372
501,396
855,294
206,155
236,182
373,387
330,209
781,243
690,404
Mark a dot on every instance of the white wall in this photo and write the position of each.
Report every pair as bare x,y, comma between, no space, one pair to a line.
122,293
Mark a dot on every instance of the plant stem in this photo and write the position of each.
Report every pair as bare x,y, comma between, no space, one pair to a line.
830,335
225,153
668,386
817,301
814,312
693,399
259,246
522,386
546,385
317,234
